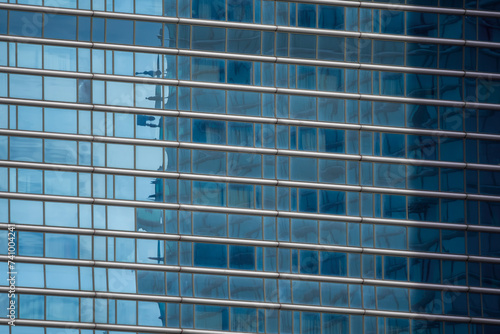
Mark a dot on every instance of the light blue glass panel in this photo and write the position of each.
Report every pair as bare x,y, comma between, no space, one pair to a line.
120,156
31,307
60,151
126,312
60,89
26,212
25,86
28,180
30,244
61,246
60,120
29,55
62,308
29,274
121,218
61,277
59,58
120,280
61,214
120,93
60,183
125,250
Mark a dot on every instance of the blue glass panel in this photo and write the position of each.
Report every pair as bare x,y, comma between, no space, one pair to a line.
299,165
304,230
62,308
393,237
61,246
423,239
490,275
306,292
422,86
53,24
31,307
210,286
243,319
25,23
392,299
242,257
210,255
211,317
454,272
119,31
244,288
388,52
392,22
147,33
302,46
308,200
421,24
208,38
243,103
334,264
309,263
204,9
395,268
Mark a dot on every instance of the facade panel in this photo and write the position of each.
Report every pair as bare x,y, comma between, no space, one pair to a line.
249,166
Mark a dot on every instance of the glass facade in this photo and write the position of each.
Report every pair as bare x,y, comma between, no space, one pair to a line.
250,166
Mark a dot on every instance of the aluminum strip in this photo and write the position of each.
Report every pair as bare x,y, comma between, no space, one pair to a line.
46,9
252,119
229,210
147,329
242,273
253,26
355,4
250,242
48,323
270,59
